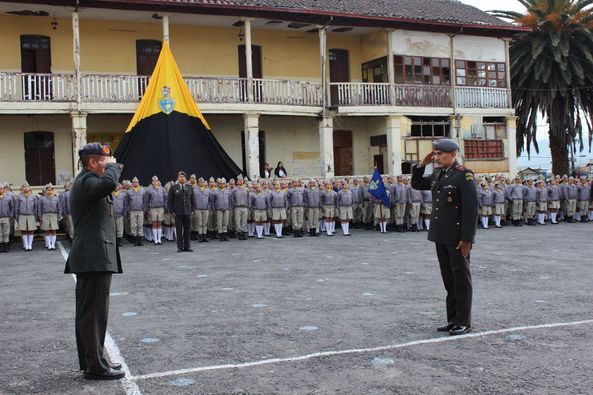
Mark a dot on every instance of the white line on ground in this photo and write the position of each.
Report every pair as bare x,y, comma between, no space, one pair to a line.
359,350
129,381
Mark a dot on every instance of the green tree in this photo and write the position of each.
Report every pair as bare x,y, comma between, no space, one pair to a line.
552,74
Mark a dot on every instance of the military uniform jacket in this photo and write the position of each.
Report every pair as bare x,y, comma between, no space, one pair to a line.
202,198
155,197
312,197
49,205
135,199
120,208
6,205
65,202
26,204
93,247
181,199
454,201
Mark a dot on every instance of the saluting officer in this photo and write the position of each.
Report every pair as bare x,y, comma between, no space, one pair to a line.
454,219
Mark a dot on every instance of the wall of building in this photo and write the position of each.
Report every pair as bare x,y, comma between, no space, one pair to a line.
487,49
12,144
374,46
11,29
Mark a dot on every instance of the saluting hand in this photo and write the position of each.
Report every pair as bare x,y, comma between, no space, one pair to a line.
464,247
427,159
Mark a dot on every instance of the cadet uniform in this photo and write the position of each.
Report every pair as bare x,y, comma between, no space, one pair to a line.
278,203
328,199
50,213
65,203
203,204
240,196
426,208
155,200
485,200
366,204
344,203
542,203
26,214
312,202
296,205
516,202
415,197
529,202
583,197
222,205
6,215
498,199
94,257
136,208
554,194
400,199
356,204
259,204
454,219
120,211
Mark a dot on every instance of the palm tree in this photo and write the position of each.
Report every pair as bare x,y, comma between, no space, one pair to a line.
552,73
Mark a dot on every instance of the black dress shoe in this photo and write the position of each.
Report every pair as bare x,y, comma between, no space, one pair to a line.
445,328
115,365
188,250
179,250
459,330
110,374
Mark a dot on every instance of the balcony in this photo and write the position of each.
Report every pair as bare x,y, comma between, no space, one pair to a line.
104,88
410,95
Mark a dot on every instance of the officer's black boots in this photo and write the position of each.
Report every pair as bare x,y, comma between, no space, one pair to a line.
119,242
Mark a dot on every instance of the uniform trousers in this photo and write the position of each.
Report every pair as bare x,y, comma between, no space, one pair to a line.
4,229
201,221
530,210
222,220
458,283
414,212
136,223
119,227
92,310
517,209
297,217
183,229
241,214
367,212
571,207
313,216
356,213
400,213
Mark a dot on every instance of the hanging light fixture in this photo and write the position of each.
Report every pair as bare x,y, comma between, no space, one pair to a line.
54,22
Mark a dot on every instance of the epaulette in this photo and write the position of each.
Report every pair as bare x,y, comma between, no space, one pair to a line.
460,168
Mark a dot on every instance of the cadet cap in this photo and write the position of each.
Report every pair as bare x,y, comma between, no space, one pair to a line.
95,149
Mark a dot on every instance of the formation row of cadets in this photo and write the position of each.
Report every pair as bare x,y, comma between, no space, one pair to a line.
244,208
532,201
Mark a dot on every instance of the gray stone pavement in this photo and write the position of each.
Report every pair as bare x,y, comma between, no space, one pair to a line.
231,303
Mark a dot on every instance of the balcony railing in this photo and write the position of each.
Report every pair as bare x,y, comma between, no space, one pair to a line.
470,97
104,88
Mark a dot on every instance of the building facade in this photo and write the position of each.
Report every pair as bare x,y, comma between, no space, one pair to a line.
329,93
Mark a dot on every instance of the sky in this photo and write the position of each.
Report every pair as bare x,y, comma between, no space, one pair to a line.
543,158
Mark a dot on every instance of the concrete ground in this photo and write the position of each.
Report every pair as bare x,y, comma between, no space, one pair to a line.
342,315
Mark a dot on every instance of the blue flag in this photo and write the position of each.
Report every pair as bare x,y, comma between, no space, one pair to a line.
377,188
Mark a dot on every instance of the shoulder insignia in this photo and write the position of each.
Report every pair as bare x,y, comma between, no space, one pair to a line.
460,168
469,176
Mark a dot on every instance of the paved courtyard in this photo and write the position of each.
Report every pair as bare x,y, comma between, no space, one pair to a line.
324,315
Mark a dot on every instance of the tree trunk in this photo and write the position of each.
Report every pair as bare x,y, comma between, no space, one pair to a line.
560,162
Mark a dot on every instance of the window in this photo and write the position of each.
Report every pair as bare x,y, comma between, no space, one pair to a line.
429,127
409,70
377,141
420,70
484,74
40,164
484,149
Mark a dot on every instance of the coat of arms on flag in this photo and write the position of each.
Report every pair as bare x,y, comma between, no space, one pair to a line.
167,103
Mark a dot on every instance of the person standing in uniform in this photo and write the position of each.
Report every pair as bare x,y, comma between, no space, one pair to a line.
259,204
296,205
415,197
486,200
26,214
6,216
426,209
136,208
328,199
453,228
119,212
344,203
515,196
312,203
65,204
498,199
50,213
400,200
181,206
203,203
529,202
366,203
155,200
278,202
222,203
94,257
542,202
583,198
240,203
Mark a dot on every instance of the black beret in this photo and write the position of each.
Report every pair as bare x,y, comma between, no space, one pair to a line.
95,149
445,145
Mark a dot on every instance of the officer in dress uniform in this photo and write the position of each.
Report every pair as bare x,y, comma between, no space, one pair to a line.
94,257
181,206
454,219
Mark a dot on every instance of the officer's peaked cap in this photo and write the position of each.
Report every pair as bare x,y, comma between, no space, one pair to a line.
445,145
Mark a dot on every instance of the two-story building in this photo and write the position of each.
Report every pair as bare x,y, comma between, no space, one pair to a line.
328,87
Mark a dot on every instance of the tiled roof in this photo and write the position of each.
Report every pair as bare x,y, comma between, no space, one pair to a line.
443,11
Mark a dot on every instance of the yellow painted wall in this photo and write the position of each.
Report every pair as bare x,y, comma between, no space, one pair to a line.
353,45
373,45
488,166
11,29
12,144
